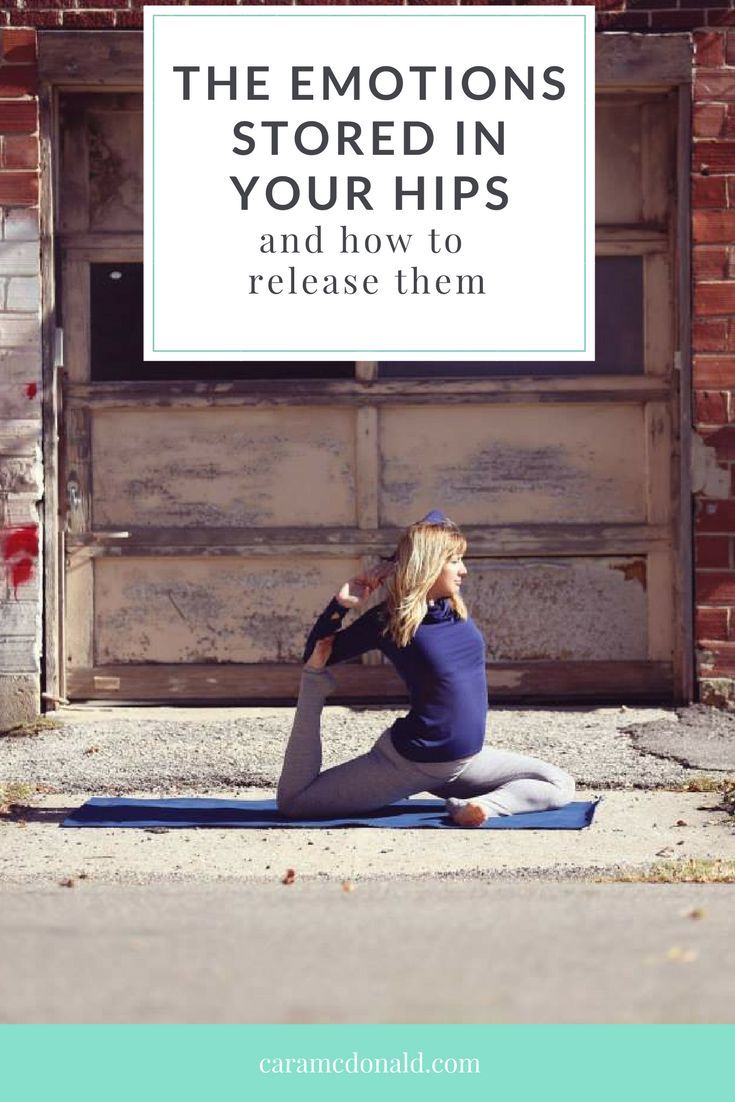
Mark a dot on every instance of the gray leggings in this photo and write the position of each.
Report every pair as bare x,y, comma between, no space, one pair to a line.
510,783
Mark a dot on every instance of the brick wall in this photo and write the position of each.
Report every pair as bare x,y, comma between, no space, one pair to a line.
713,230
20,380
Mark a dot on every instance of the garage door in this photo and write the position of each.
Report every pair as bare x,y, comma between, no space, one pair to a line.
210,510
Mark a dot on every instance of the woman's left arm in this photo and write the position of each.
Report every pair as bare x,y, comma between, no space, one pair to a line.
361,636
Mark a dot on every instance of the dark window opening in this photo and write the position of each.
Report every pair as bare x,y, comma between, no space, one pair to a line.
619,334
116,311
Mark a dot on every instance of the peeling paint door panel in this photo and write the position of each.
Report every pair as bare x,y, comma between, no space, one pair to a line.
223,467
564,608
508,464
209,611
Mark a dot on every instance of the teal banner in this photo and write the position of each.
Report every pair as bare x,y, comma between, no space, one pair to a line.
190,1063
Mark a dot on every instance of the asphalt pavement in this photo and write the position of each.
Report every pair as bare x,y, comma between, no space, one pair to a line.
389,952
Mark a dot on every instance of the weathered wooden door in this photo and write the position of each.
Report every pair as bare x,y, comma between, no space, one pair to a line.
210,514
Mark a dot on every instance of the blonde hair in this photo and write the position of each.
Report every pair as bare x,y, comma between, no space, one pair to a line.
423,551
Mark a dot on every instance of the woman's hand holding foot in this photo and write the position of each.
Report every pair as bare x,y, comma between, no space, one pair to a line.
357,590
317,674
320,655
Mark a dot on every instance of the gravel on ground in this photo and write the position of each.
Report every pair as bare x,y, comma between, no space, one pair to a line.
117,750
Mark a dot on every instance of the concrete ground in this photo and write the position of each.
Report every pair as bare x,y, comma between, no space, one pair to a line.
644,815
377,925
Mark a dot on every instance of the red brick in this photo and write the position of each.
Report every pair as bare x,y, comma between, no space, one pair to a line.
732,481
709,48
18,189
18,118
712,551
722,440
36,18
18,80
709,191
709,336
710,262
730,48
677,20
625,21
20,151
709,120
711,84
713,227
714,372
721,18
715,516
651,5
714,299
711,623
717,659
131,20
41,5
711,407
715,586
89,20
714,156
18,46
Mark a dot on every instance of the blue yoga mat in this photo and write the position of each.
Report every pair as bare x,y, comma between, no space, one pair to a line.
260,814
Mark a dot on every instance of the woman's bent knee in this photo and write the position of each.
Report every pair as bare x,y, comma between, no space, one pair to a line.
288,807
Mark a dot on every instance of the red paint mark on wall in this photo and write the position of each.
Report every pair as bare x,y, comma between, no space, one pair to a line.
19,553
31,390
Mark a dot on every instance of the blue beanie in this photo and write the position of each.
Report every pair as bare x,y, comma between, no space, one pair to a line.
436,516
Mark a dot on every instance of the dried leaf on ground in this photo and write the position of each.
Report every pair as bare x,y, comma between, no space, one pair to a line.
686,956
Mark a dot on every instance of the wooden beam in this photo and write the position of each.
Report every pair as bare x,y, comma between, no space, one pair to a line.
74,58
53,667
684,681
294,392
110,246
552,682
115,59
367,467
643,61
484,542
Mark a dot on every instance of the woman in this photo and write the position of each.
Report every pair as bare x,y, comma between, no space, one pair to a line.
424,629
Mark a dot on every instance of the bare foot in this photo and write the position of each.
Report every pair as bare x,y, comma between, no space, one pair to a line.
320,655
468,814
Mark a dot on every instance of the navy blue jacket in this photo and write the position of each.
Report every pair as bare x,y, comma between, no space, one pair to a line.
444,670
